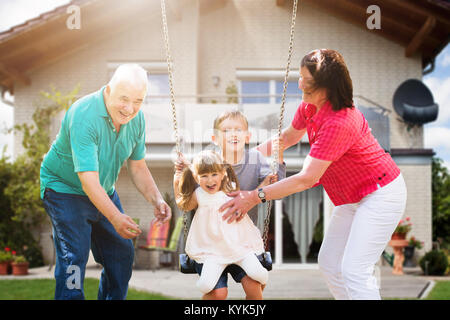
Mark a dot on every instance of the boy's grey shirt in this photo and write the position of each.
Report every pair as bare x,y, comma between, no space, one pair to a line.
251,171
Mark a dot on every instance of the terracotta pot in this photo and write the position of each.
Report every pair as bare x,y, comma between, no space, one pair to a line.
398,236
4,268
20,269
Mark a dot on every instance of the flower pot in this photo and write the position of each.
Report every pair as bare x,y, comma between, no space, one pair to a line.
409,255
398,236
20,269
4,266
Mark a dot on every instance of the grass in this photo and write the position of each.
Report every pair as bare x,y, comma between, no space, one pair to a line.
44,289
441,291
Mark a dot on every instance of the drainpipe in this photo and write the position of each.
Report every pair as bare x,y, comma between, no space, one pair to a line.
430,69
2,97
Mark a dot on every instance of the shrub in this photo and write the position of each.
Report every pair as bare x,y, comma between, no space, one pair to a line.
5,256
437,263
19,259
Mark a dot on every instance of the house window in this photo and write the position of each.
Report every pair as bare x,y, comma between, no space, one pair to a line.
158,88
293,93
266,86
260,88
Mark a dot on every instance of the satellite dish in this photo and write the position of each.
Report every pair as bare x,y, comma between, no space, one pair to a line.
414,102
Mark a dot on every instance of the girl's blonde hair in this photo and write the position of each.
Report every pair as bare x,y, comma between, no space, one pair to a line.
205,162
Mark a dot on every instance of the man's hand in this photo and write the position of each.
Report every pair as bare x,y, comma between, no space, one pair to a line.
162,212
125,226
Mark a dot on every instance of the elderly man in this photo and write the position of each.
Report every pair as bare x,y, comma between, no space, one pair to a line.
98,133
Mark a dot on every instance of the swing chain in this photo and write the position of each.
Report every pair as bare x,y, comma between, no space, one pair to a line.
275,163
169,70
172,96
282,108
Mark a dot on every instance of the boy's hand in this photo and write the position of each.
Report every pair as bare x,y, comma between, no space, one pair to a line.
271,178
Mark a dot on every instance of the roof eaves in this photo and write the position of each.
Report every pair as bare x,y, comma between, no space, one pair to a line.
40,20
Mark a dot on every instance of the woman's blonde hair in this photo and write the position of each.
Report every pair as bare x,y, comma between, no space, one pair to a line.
205,162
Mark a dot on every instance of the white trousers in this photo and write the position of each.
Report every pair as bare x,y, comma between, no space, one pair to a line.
211,272
355,239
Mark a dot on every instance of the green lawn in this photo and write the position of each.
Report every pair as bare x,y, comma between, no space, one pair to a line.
44,289
441,291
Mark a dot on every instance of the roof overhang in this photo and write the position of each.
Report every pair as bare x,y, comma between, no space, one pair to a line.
421,26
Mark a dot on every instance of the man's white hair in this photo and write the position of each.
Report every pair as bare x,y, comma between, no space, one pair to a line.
132,73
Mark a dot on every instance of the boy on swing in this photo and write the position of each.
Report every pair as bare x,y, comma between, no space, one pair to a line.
231,135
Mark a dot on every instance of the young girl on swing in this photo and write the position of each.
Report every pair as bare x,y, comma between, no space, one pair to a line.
212,242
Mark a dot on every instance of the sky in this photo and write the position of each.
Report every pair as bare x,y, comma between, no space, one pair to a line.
436,134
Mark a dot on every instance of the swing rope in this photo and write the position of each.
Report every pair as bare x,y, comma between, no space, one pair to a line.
281,115
281,118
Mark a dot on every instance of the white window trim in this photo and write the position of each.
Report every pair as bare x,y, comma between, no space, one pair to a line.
266,74
152,67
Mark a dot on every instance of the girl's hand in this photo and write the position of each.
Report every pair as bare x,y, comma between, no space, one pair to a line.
180,164
238,207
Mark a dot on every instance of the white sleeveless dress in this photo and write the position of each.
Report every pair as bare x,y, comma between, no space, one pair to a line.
210,237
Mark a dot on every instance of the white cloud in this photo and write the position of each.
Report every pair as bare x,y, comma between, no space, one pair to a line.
440,88
445,62
436,137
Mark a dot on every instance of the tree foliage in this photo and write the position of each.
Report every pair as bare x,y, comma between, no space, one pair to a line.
23,189
441,202
21,205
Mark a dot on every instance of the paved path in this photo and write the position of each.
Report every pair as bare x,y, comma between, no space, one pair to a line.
283,284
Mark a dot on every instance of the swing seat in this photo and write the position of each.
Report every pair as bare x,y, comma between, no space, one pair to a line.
266,260
187,264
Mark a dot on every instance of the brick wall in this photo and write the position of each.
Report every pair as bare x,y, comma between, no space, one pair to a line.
418,207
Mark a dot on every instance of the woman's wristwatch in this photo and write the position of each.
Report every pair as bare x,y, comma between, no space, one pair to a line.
261,195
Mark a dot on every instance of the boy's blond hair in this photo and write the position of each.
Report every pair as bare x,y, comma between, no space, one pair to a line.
230,114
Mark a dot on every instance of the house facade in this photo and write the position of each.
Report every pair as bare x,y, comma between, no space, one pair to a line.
223,45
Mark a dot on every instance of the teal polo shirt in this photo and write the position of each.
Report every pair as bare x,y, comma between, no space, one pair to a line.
88,141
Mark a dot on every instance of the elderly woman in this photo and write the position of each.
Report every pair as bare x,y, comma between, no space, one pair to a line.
362,180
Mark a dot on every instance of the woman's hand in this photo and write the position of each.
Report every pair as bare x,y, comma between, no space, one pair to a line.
238,207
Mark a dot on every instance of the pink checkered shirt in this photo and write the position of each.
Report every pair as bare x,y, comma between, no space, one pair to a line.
359,165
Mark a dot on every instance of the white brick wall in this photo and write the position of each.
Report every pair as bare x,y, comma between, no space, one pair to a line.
418,207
